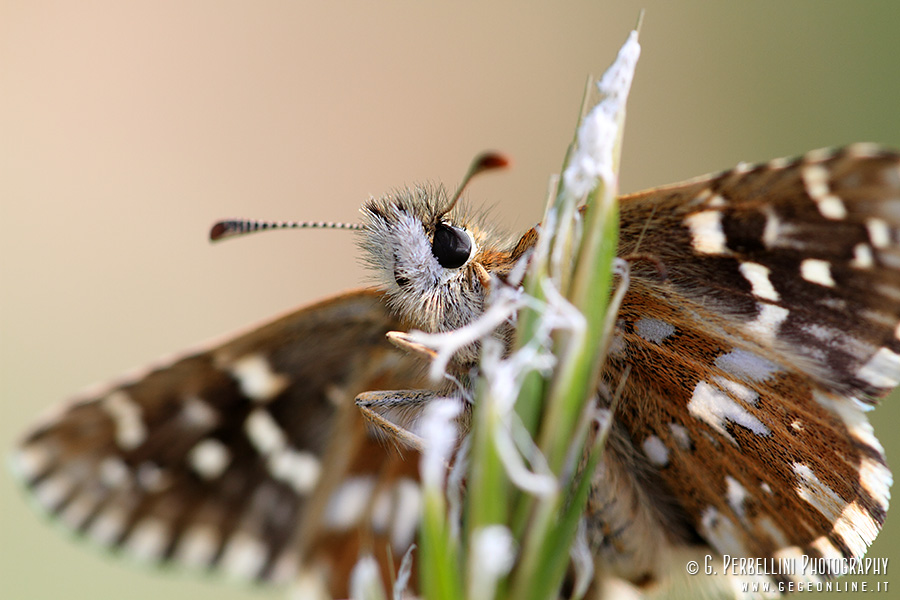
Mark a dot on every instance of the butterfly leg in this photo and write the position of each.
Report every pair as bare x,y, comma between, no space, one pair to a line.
397,414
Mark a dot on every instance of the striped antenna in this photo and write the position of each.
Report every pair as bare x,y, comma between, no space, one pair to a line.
235,227
488,161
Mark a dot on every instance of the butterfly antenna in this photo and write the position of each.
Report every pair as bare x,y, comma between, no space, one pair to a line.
230,228
235,227
487,161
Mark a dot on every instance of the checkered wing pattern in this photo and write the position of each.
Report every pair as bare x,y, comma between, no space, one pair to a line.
250,458
760,325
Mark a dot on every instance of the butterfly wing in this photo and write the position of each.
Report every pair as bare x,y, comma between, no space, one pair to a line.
249,457
760,325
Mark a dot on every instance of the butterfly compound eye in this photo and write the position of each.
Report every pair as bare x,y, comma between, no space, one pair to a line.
451,246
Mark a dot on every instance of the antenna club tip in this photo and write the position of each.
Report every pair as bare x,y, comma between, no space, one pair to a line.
491,160
218,231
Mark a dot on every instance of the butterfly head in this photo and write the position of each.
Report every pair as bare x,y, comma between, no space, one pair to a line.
430,258
428,261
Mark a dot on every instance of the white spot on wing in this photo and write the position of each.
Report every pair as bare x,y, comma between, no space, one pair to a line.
264,433
876,479
827,549
815,177
108,526
53,490
337,395
716,201
381,511
243,556
817,271
758,276
257,379
818,155
837,304
406,514
309,584
864,150
30,461
831,207
768,322
819,495
857,528
834,337
349,502
707,235
738,390
653,330
113,472
209,458
721,532
879,232
862,256
152,477
284,570
736,495
882,370
741,168
197,546
889,291
148,540
779,163
776,232
746,365
851,412
681,435
702,197
127,420
297,468
198,414
715,407
656,451
78,509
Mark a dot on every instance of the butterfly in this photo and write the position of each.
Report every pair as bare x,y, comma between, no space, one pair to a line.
760,325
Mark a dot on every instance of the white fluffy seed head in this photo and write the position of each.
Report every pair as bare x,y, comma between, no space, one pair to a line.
440,430
365,580
493,553
593,157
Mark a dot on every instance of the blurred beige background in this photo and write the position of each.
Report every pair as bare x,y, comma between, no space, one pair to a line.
126,129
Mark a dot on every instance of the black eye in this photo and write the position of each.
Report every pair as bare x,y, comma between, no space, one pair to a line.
451,246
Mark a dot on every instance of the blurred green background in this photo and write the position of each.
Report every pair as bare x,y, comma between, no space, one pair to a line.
126,129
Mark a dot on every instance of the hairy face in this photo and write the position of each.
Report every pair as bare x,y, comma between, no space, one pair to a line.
425,260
